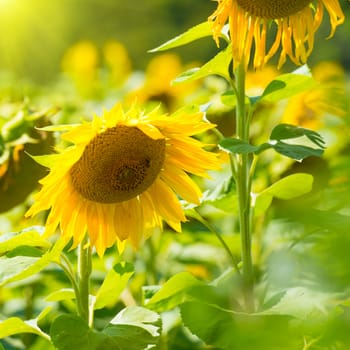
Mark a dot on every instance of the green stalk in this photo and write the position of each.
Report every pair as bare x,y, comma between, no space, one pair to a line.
84,272
243,190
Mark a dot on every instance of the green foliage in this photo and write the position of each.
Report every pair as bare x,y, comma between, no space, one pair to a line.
287,85
27,237
192,285
197,32
173,292
289,187
218,65
133,329
228,330
113,284
20,267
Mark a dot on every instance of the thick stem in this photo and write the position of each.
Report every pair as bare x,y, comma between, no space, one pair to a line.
243,190
84,271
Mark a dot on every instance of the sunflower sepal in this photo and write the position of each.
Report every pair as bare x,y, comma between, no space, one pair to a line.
47,160
62,127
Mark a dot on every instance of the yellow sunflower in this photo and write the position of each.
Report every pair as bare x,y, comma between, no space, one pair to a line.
296,22
122,174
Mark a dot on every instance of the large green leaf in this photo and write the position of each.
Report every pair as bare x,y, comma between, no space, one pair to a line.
28,237
197,32
172,292
20,267
15,325
296,152
112,286
289,187
229,330
287,85
140,317
72,332
219,65
304,304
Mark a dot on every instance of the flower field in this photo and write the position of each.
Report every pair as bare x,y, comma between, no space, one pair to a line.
175,175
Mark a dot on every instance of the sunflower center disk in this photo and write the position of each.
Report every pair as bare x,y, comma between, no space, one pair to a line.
118,165
273,9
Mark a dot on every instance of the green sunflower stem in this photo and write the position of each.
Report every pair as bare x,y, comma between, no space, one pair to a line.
84,272
243,182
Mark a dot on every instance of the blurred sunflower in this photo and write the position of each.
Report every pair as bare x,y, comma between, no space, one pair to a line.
296,23
157,87
120,178
80,62
308,108
118,61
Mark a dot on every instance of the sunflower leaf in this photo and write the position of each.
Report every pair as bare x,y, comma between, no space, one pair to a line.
289,187
218,65
288,131
197,32
172,292
297,152
72,332
229,330
229,98
20,267
15,325
27,237
287,85
112,286
234,145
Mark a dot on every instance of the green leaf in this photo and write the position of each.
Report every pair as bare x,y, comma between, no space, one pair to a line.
113,285
218,65
140,317
197,32
289,187
172,292
28,237
297,152
15,325
288,131
20,267
223,196
234,145
62,294
72,332
229,98
228,330
287,85
303,303
25,250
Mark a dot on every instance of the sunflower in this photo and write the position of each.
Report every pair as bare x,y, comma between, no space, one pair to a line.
308,108
296,22
122,174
